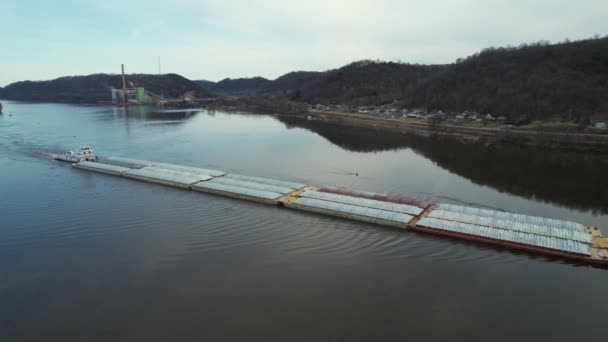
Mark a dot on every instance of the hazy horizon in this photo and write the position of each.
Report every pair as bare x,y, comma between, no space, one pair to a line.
213,40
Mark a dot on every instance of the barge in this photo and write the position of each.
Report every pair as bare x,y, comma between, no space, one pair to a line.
550,237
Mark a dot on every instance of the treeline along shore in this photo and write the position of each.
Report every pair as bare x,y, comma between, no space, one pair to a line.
542,94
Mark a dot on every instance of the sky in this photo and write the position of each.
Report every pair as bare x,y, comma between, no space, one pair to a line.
216,39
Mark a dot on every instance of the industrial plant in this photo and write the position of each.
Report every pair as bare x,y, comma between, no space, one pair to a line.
133,95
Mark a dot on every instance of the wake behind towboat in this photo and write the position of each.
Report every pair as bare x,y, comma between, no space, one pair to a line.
84,153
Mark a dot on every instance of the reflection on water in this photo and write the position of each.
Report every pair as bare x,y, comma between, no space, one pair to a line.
155,113
569,179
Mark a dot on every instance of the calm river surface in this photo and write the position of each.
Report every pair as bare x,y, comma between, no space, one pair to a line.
90,257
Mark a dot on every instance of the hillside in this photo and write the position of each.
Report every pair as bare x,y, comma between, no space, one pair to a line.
292,83
535,81
94,88
539,80
238,86
259,86
204,84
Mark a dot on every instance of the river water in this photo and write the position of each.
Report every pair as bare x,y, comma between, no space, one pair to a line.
90,257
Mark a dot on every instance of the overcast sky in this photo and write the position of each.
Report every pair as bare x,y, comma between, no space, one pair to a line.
215,39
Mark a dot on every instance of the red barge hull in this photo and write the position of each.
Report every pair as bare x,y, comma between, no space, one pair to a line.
513,245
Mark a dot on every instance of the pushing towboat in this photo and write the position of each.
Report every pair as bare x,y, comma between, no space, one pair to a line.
84,153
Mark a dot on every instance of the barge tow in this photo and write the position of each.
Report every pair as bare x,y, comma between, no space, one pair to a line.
551,237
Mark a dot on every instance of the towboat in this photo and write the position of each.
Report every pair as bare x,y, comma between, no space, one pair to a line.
84,153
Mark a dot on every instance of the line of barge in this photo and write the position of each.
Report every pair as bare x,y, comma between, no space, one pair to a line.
551,237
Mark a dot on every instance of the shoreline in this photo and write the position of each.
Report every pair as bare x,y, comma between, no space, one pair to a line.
593,143
486,136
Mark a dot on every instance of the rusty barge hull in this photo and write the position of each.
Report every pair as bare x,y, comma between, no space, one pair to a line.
513,245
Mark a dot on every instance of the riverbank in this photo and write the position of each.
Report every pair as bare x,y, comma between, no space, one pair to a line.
594,143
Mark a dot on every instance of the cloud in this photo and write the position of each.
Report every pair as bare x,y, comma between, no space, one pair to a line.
215,39
332,33
337,32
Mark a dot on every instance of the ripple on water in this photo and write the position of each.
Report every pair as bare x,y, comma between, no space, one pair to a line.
334,237
192,223
231,223
208,223
319,236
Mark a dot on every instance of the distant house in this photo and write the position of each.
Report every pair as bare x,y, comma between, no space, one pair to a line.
414,116
469,113
489,117
459,117
501,118
601,125
419,110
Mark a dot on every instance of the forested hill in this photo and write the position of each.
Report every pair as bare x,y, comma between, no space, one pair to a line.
238,86
94,88
537,80
569,79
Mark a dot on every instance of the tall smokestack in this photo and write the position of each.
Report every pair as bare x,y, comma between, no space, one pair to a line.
124,84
